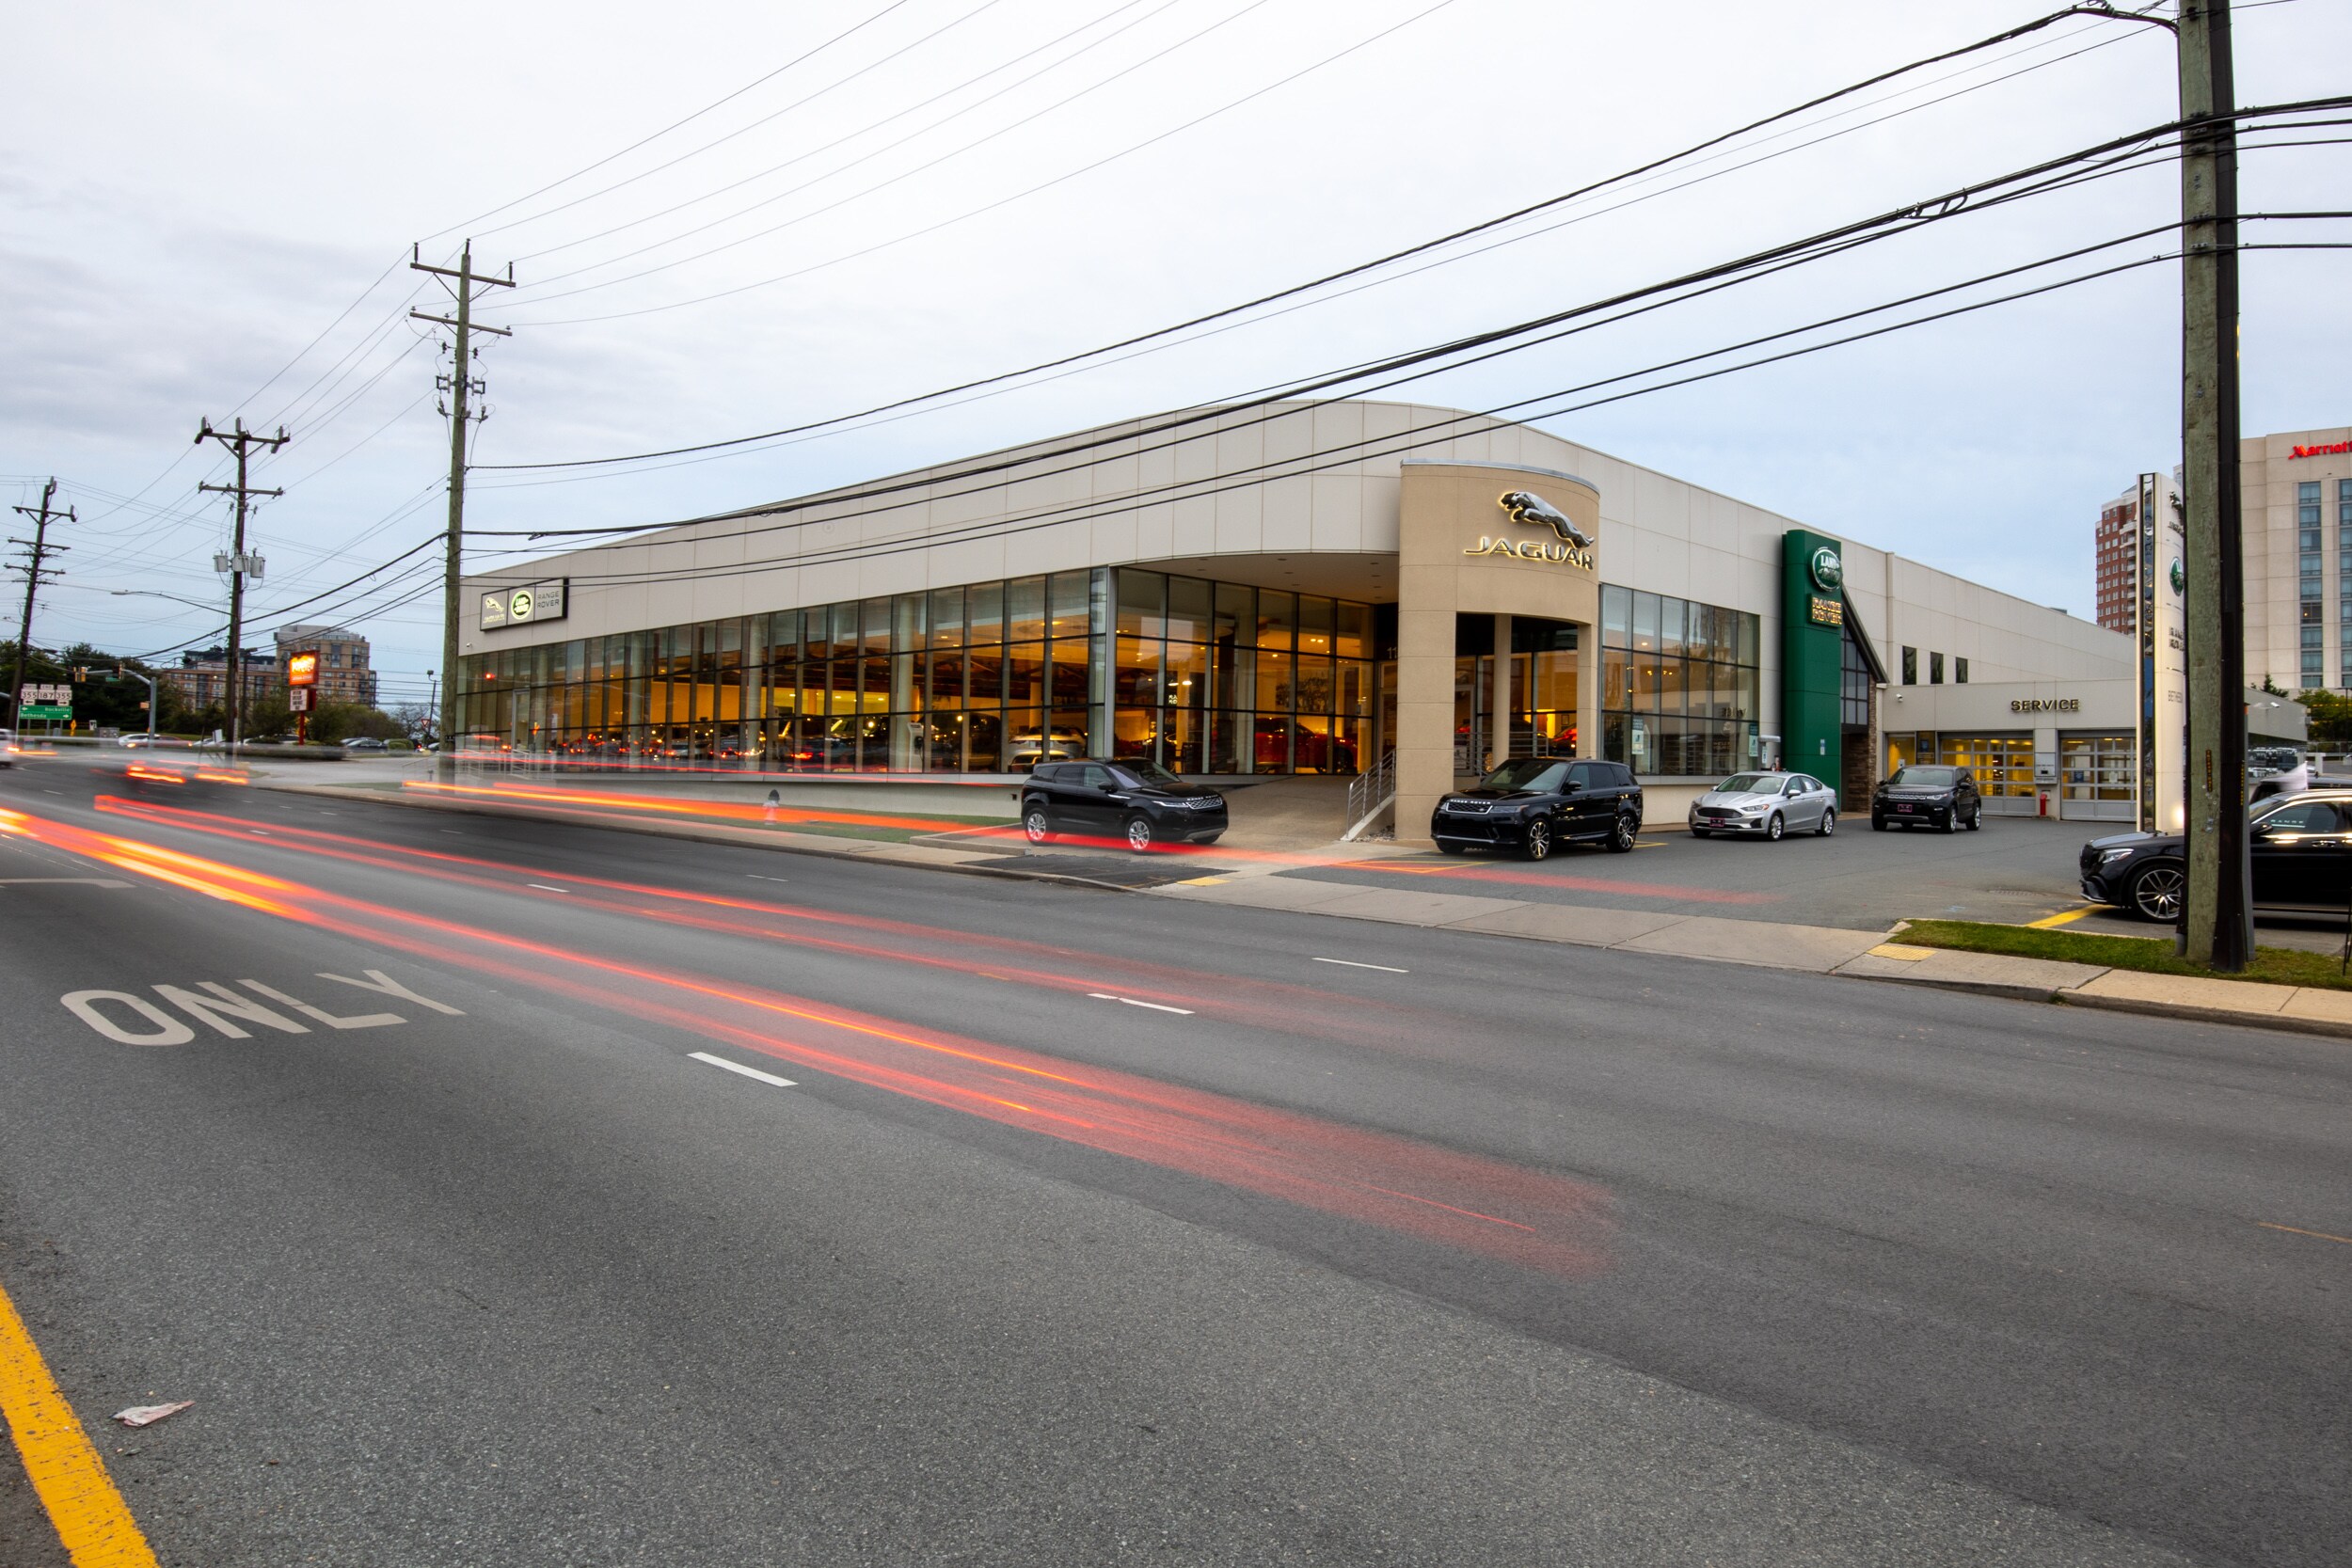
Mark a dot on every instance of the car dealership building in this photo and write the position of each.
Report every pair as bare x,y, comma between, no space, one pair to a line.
1294,587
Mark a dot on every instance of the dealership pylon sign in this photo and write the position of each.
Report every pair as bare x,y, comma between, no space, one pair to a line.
2163,661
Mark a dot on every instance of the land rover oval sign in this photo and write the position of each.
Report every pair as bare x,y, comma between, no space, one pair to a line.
1826,569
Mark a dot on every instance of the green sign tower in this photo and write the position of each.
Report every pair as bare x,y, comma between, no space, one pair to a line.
1812,652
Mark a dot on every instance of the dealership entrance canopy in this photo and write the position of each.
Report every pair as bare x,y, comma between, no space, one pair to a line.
1286,588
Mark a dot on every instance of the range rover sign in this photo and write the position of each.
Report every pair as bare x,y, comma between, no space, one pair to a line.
524,603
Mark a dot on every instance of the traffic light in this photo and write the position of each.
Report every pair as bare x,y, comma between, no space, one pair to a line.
81,674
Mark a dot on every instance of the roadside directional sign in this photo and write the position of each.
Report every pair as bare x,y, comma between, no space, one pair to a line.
45,710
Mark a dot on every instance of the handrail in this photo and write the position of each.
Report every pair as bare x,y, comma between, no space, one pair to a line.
1368,795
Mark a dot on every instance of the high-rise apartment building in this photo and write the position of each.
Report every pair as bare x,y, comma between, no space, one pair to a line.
344,675
2118,538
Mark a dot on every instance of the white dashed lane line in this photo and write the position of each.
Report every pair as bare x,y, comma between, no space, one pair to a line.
1351,963
545,888
737,1066
1156,1007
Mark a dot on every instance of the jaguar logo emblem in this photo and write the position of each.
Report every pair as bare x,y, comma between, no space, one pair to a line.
1531,510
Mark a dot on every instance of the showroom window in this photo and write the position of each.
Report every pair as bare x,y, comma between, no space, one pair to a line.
990,677
1678,684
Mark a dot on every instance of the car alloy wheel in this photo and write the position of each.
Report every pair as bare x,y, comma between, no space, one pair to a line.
1952,820
2156,893
1538,841
1139,833
1774,828
1975,818
1621,837
1829,824
1037,824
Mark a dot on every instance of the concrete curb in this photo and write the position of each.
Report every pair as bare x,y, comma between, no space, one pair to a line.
2328,1028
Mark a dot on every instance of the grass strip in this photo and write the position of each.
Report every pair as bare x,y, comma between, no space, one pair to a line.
2272,966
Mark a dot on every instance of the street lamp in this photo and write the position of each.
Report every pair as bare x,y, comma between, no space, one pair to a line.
151,594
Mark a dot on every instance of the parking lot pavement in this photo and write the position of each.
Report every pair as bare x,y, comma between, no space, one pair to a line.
2013,870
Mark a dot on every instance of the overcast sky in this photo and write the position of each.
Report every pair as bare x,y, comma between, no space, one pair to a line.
209,211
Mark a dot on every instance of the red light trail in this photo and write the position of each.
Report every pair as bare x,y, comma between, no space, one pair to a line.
1270,1004
1526,1217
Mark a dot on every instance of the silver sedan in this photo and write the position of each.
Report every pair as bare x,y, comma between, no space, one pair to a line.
1766,806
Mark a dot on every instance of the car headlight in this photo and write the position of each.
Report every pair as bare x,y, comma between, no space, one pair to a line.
2125,851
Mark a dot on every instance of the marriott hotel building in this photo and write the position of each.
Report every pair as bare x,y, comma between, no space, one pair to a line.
1288,588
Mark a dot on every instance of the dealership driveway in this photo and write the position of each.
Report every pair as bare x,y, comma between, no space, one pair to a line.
2009,871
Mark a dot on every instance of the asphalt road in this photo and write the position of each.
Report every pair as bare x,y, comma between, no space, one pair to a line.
1094,1229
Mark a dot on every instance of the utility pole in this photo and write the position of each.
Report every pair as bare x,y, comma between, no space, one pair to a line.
460,384
39,550
237,564
2217,922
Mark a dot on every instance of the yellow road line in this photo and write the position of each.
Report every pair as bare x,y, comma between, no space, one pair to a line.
92,1518
2061,918
2293,1232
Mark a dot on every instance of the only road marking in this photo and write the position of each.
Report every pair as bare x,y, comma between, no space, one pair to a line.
1385,969
92,1521
2293,1230
2063,917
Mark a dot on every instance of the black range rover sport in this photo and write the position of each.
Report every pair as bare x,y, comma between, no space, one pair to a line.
1535,805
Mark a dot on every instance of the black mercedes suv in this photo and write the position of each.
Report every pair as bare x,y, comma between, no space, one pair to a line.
1535,804
2298,845
1121,798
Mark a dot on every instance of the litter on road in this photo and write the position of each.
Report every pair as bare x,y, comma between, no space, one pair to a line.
148,1415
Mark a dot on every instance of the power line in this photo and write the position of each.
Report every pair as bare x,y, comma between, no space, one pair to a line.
1421,247
1984,196
675,125
986,208
1976,198
888,146
910,407
1446,429
744,130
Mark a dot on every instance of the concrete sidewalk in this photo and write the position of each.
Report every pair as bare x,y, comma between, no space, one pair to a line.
2303,1008
1823,950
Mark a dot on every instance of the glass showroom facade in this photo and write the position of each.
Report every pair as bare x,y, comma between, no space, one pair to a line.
1201,676
1679,683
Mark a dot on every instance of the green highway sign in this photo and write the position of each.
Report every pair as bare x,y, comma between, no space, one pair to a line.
44,710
